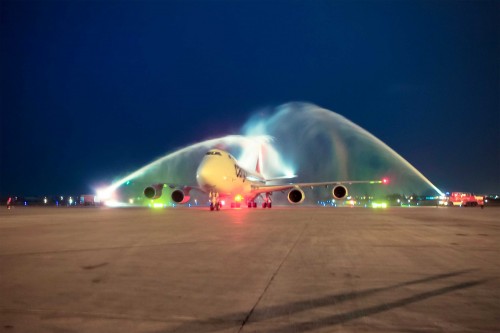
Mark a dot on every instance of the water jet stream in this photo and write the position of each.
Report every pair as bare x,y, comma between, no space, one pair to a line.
315,143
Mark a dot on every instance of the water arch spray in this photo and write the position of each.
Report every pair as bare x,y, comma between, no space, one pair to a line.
298,138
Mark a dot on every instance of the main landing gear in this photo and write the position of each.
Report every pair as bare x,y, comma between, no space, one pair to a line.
267,201
215,202
267,205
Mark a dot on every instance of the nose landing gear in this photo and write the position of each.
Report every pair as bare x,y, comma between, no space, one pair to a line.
215,203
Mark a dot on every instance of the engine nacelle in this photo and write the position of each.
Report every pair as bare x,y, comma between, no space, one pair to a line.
153,191
178,196
296,196
339,192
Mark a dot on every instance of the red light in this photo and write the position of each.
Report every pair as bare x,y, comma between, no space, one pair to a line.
385,181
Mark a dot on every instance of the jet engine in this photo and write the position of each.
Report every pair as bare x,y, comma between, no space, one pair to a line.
339,192
153,191
296,196
179,196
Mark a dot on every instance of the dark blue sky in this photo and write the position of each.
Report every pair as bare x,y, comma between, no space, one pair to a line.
91,89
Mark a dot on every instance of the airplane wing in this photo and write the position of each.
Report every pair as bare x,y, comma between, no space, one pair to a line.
256,189
154,191
184,187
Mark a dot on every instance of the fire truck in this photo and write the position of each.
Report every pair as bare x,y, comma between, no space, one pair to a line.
464,199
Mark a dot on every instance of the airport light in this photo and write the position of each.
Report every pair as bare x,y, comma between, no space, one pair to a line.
104,194
113,203
379,205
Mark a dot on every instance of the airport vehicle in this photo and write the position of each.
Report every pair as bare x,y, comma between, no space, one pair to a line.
87,200
221,177
464,199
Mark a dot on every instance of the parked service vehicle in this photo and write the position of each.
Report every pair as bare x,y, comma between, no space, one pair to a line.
87,200
464,199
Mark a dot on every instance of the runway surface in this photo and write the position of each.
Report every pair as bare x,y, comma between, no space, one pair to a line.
287,269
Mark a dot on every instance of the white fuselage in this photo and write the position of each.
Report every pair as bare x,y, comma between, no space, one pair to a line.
220,173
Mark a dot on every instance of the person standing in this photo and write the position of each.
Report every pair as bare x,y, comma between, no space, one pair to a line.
9,202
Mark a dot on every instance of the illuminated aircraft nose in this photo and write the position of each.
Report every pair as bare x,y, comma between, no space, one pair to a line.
204,176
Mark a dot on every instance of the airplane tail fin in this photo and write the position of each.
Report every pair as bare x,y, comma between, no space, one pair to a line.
258,167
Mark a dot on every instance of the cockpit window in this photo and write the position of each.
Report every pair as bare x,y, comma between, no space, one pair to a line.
213,153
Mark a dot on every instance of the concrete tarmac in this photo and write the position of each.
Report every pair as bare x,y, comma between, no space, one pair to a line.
285,269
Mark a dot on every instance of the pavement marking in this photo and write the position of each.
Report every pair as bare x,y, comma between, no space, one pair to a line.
273,276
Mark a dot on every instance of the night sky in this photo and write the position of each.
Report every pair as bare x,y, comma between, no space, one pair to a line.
90,90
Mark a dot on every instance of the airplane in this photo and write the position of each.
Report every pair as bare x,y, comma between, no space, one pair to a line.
220,175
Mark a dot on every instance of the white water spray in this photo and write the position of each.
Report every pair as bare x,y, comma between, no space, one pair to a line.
315,143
